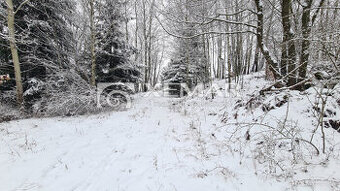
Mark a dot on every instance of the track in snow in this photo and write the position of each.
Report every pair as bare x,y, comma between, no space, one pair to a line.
149,147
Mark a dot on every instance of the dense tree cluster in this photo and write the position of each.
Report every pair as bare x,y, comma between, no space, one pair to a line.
49,46
51,57
188,64
293,40
113,52
189,61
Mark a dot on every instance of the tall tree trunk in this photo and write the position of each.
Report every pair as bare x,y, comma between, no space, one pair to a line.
305,41
219,55
126,21
228,46
306,27
14,51
256,59
136,30
149,37
93,46
187,46
225,49
250,50
285,5
288,57
213,55
259,34
209,68
146,69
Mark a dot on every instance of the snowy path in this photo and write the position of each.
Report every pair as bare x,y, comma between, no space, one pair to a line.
149,147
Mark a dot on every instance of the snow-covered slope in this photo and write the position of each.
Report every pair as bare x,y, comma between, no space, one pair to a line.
172,144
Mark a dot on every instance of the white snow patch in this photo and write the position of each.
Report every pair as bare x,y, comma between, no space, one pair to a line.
159,144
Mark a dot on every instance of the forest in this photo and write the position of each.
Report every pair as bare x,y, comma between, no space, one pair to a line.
170,94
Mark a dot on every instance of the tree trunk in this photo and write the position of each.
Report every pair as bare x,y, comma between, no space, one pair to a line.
256,59
149,37
126,21
288,57
265,52
251,39
146,69
306,27
220,59
93,46
136,30
305,41
14,51
228,51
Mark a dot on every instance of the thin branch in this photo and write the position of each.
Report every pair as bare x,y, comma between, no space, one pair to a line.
236,13
280,132
331,56
21,5
202,34
230,22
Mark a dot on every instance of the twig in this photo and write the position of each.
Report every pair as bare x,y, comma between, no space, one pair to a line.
280,132
20,6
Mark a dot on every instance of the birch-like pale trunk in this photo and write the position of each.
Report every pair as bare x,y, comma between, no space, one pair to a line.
14,52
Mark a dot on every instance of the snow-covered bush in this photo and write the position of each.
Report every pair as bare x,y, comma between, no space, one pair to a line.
7,110
8,113
326,74
8,97
66,95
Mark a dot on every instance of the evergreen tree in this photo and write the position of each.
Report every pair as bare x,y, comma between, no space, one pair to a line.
44,40
45,37
113,52
5,67
5,53
189,61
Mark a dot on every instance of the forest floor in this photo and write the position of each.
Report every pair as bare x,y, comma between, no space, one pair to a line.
166,144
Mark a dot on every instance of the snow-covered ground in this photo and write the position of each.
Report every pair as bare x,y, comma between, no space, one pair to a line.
164,144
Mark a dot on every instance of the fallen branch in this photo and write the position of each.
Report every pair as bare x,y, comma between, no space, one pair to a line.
284,88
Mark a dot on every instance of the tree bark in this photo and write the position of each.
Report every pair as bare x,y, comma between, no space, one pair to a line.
126,20
265,52
149,37
14,52
305,42
220,59
288,57
256,59
93,46
146,69
306,27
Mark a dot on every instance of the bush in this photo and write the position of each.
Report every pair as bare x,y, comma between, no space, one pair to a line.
66,95
9,113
